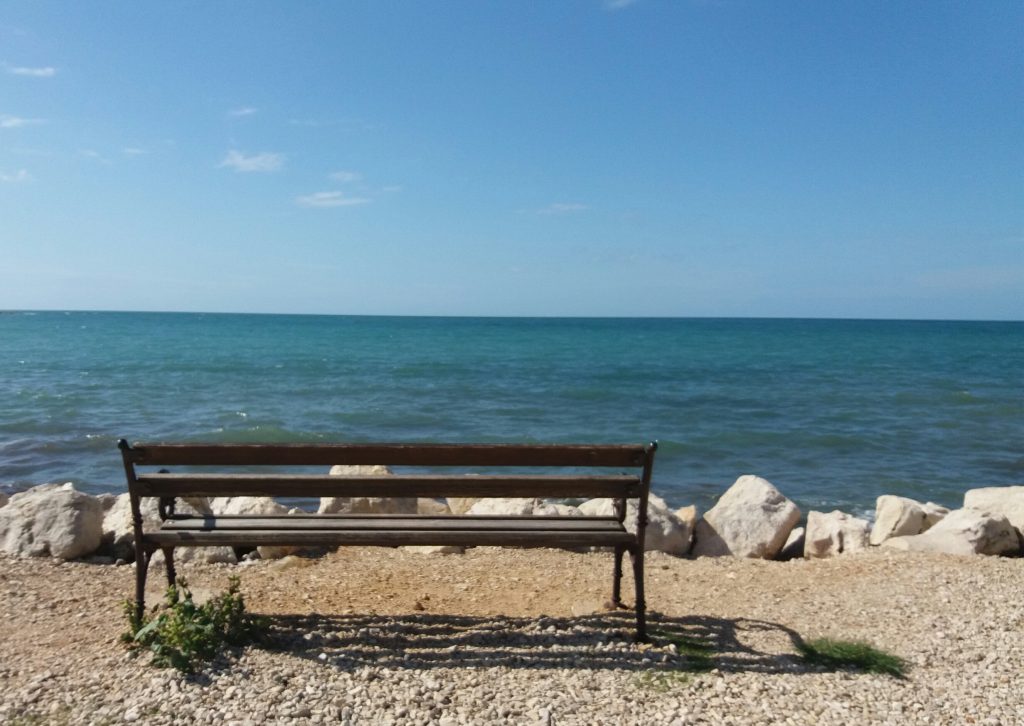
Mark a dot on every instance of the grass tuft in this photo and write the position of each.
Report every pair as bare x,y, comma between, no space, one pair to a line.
851,654
182,634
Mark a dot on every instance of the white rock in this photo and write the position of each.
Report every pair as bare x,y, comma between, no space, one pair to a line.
834,533
896,517
248,506
52,519
556,509
366,505
435,549
209,555
461,505
752,519
933,514
432,507
504,507
964,532
794,547
3,499
1007,501
665,531
255,507
118,532
688,515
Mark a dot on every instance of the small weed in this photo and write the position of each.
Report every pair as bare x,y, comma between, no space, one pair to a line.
182,634
662,681
696,652
851,654
696,658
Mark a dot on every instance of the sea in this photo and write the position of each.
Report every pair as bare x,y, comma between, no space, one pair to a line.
833,412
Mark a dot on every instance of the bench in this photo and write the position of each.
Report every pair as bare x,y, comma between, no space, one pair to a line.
554,471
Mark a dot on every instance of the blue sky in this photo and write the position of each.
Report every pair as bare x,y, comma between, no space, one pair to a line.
689,158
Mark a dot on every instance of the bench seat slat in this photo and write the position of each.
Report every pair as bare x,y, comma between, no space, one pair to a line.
321,522
477,455
389,538
420,485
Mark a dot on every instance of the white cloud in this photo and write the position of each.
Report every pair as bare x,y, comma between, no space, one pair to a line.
618,4
21,175
94,155
133,151
392,188
13,122
44,72
563,208
345,176
330,199
263,161
243,111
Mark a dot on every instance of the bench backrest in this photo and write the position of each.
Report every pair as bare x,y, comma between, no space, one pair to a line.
213,481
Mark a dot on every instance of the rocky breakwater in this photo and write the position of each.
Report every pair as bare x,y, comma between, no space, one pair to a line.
752,519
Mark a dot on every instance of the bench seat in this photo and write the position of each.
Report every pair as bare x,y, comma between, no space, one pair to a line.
390,529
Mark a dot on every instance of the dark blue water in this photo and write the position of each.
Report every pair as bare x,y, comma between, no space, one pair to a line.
833,412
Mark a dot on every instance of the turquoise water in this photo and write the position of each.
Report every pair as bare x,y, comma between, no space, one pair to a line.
833,412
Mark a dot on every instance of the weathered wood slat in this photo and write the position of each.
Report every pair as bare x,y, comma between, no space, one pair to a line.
331,537
421,485
477,455
322,522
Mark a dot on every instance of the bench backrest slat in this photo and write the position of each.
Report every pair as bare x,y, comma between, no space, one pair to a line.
478,455
292,485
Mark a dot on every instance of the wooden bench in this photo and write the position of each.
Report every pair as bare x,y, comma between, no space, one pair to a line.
229,470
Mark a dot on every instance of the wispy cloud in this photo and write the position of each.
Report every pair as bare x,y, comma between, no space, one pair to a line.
43,72
263,161
563,208
345,177
618,4
14,122
330,199
133,151
243,111
94,155
21,175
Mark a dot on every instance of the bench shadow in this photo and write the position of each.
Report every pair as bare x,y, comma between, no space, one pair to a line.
600,641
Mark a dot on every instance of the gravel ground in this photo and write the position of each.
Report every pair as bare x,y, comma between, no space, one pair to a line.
379,636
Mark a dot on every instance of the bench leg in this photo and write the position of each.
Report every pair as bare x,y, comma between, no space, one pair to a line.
617,577
172,574
142,557
641,605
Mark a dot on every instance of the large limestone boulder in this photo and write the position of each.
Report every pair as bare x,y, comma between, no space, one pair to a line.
933,514
461,505
665,532
752,519
3,499
365,505
118,532
834,533
964,532
254,507
503,507
52,520
1007,501
896,517
432,507
794,547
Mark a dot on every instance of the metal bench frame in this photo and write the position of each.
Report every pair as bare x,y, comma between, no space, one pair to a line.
391,530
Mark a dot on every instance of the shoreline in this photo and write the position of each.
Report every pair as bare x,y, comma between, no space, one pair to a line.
394,635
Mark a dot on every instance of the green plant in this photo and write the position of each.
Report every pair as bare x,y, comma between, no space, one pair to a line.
696,658
851,654
182,634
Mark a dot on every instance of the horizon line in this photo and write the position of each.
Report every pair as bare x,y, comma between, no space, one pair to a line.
7,311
